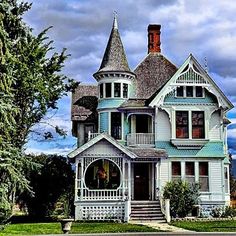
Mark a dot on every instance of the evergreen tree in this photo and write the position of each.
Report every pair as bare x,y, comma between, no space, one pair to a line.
30,85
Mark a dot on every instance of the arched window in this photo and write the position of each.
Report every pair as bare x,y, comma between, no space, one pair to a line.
102,174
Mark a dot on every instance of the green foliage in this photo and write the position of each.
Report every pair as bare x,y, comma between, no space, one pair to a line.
207,226
52,183
183,196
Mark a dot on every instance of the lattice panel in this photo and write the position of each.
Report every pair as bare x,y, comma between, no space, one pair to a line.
103,212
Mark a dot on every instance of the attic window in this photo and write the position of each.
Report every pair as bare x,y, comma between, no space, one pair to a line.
189,91
199,92
180,91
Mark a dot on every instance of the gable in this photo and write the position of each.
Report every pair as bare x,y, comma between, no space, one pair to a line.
191,74
102,148
110,142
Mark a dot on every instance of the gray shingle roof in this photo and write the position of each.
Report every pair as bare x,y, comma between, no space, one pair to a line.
114,58
84,103
152,73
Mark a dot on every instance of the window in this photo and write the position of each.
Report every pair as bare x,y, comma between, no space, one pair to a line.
203,176
197,124
176,170
116,89
108,89
189,91
180,91
226,180
199,92
116,125
125,90
182,124
101,90
198,127
102,174
189,172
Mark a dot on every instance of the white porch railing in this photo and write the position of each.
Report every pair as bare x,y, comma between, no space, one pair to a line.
140,139
102,194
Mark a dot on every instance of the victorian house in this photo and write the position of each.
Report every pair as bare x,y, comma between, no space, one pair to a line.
139,129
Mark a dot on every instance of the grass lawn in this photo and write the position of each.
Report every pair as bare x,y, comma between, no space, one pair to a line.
55,228
207,226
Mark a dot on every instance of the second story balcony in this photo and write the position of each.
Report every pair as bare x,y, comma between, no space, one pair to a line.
141,139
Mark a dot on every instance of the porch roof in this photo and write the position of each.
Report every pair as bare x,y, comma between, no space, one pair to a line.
149,152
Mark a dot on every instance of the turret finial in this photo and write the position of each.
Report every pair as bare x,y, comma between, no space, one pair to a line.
115,24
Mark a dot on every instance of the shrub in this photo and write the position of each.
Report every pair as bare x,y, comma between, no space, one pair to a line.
183,196
229,212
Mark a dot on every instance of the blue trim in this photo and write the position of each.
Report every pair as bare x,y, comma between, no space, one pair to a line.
210,149
171,99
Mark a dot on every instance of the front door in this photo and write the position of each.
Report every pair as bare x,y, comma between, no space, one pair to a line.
141,181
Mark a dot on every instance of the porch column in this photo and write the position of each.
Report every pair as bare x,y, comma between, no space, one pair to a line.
128,199
155,124
157,189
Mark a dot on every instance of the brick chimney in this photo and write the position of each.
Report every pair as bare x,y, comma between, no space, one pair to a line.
154,41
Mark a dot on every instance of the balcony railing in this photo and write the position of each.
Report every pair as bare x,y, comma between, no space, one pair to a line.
140,139
92,135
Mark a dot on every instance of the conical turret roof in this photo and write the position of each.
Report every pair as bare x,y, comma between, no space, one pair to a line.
114,58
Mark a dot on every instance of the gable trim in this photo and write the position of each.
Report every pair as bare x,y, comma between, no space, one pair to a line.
95,140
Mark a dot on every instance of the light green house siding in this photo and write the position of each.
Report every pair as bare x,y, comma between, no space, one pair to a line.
104,121
109,103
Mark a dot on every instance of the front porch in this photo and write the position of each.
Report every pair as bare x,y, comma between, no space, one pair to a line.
109,176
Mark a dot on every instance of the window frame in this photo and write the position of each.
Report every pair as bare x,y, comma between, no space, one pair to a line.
190,177
189,126
194,91
176,177
106,87
113,126
204,176
180,126
117,89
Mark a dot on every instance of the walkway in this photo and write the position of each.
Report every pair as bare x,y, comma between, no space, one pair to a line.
161,226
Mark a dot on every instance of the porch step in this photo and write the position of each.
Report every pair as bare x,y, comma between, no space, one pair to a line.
146,211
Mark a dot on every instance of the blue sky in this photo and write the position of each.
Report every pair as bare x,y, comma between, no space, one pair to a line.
207,29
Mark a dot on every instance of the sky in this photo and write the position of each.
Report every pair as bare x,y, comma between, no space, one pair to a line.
207,29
